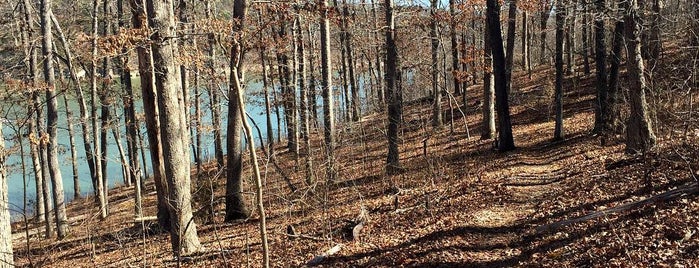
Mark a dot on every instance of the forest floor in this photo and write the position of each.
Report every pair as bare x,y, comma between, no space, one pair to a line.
459,203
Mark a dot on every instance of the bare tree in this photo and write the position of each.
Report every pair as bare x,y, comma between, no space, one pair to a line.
558,102
434,42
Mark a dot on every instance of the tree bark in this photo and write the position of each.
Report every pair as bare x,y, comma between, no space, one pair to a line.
454,48
97,179
585,39
52,121
303,90
73,151
152,114
395,94
545,12
505,139
639,131
326,84
601,66
174,137
488,109
6,255
610,113
509,54
558,102
235,203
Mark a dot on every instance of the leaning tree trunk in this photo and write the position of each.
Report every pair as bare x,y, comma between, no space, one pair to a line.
394,92
326,83
558,102
6,256
52,121
505,139
639,131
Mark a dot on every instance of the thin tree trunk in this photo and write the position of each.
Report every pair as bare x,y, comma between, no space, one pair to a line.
394,92
558,102
601,66
585,39
313,82
381,93
73,151
570,41
436,93
301,82
525,39
611,119
52,121
97,179
509,54
326,83
214,97
6,255
454,48
488,109
545,12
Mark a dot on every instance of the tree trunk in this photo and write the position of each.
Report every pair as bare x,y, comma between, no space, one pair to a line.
312,95
105,103
97,179
214,97
152,115
509,54
235,203
639,131
545,12
381,93
301,83
454,48
558,102
505,139
326,84
601,66
73,151
525,39
488,108
610,113
585,40
6,255
394,92
436,93
52,121
174,137
570,41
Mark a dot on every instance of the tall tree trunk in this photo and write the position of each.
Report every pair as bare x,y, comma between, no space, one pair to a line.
52,121
381,92
97,179
601,66
326,84
105,103
235,203
6,255
436,93
214,97
558,102
174,137
585,38
265,87
73,151
545,12
301,82
488,109
570,41
505,139
354,88
152,115
32,111
639,131
454,47
525,39
509,54
312,96
394,92
611,114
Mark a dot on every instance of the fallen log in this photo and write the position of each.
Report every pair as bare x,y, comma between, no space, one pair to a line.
687,189
320,258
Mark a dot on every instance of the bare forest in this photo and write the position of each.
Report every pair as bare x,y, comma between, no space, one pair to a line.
349,133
